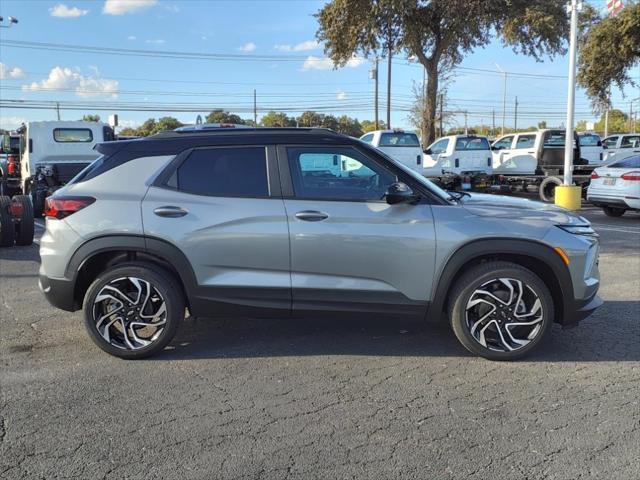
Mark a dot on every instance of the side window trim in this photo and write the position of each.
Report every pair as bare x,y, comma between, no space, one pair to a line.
274,189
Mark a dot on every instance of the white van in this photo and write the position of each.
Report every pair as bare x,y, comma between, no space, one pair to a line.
402,146
458,155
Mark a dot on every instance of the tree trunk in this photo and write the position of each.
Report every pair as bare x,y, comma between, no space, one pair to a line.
429,120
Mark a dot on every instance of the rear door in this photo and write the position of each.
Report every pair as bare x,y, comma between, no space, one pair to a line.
221,206
350,250
522,157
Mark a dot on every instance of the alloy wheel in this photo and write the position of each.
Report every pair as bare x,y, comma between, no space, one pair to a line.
129,313
504,314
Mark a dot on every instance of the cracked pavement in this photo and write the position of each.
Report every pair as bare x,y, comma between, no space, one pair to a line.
289,399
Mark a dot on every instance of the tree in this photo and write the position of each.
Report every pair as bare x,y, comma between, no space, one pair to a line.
609,49
349,126
91,118
167,123
128,132
439,33
147,128
220,116
310,119
542,124
618,122
277,119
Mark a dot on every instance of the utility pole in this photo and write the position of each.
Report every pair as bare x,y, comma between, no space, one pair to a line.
466,129
606,123
493,122
441,113
58,110
630,116
389,87
515,118
571,91
373,74
255,109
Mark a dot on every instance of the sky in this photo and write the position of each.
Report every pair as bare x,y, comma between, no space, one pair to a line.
269,46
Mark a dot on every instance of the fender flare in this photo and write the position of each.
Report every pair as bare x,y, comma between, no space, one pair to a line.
533,249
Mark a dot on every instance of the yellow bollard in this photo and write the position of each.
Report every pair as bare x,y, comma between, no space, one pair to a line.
569,196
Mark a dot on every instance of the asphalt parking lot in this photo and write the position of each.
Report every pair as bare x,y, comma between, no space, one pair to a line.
322,399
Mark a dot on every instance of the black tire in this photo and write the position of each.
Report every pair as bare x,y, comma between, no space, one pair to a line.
164,284
6,223
613,211
547,189
481,276
24,228
37,200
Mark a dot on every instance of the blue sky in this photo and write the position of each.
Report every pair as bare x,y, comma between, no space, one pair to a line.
296,78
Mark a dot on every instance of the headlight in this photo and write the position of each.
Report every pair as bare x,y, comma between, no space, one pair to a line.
579,229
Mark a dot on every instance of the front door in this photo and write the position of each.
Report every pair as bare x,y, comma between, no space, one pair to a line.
219,208
350,250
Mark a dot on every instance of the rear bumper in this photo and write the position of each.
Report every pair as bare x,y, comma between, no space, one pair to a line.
58,292
607,201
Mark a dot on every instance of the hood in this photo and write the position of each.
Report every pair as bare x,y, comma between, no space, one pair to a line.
485,205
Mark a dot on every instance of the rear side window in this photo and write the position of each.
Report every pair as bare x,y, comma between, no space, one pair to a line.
631,162
525,141
589,141
630,141
72,135
399,140
472,143
224,172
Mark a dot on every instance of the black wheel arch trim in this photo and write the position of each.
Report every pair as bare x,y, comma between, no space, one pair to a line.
536,250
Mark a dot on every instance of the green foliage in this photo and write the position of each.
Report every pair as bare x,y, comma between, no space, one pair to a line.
609,50
151,127
618,122
370,126
91,118
220,116
439,33
277,119
542,124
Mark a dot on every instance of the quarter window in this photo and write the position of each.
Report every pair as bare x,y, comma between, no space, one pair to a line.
337,174
224,172
73,135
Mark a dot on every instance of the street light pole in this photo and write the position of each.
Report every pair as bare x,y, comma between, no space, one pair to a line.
571,91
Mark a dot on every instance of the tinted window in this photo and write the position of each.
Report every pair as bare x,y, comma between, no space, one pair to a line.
610,142
630,162
367,138
630,141
589,140
225,172
555,140
73,135
399,140
525,141
503,143
472,143
440,146
335,173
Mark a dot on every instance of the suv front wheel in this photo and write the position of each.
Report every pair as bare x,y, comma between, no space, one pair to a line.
134,310
500,310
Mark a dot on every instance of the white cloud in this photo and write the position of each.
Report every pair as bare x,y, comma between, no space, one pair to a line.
299,47
72,79
132,37
204,37
121,7
155,41
248,47
341,95
323,63
11,123
172,8
62,11
14,73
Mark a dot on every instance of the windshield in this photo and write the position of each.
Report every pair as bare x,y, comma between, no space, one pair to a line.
433,188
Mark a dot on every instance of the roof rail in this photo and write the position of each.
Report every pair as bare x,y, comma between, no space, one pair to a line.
208,129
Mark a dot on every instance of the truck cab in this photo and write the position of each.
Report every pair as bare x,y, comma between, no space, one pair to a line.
398,144
620,146
459,155
591,147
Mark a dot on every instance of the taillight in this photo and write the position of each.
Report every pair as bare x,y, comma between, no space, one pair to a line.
61,207
633,176
594,175
12,167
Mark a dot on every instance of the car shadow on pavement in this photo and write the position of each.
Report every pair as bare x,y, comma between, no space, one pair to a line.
612,334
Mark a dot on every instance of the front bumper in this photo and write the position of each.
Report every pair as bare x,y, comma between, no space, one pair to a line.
59,293
581,310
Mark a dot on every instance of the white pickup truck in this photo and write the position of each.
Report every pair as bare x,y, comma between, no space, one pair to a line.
402,146
621,146
591,148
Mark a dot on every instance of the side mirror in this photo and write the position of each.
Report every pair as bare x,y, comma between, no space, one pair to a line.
604,146
494,148
428,151
399,192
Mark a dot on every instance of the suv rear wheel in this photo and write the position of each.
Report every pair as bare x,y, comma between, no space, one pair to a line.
613,211
133,310
500,310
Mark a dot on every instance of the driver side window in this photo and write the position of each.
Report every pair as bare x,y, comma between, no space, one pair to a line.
337,173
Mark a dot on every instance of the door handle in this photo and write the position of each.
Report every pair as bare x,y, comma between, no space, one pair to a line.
170,211
311,216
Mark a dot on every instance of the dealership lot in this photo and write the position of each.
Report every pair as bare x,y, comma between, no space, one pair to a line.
322,399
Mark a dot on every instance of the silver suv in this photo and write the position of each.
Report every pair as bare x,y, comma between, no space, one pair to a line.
280,222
